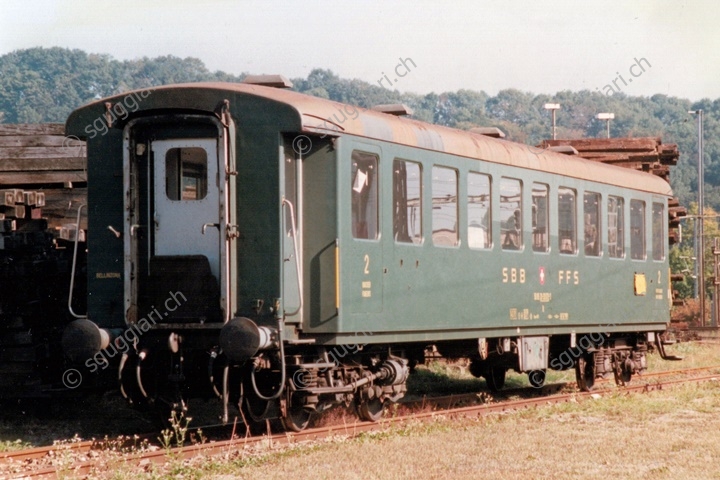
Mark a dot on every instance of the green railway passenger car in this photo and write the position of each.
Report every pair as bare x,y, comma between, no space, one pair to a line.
290,253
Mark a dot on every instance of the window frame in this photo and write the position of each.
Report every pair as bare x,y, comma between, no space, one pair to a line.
619,224
175,177
374,192
597,243
412,240
543,247
437,168
658,238
486,214
643,230
511,240
573,228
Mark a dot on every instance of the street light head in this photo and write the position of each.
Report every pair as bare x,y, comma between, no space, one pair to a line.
605,116
551,106
694,112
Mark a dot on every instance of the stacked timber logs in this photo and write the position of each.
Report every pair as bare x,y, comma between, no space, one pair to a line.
42,183
21,223
40,154
41,159
647,154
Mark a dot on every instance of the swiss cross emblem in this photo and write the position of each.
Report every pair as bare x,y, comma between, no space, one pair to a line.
542,275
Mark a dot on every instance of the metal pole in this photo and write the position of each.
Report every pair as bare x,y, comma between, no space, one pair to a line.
716,294
553,115
701,226
608,128
696,290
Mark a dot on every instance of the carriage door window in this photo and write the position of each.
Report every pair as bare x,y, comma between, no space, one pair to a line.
407,202
444,206
591,224
364,195
540,217
637,230
658,221
567,230
511,214
479,221
186,173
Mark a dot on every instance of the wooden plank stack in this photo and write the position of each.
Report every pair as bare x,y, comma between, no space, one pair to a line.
647,154
40,154
47,171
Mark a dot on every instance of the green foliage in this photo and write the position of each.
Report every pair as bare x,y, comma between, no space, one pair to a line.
46,84
683,256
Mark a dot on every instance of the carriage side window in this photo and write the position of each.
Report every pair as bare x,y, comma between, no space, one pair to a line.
567,229
364,190
591,224
658,222
540,217
186,173
637,230
479,219
616,231
511,214
444,206
407,202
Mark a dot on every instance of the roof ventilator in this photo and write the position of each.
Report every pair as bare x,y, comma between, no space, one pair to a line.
277,81
566,149
398,109
493,132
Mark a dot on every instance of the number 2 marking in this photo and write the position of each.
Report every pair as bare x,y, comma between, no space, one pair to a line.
367,264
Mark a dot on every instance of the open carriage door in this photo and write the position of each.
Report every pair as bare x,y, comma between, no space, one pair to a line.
178,247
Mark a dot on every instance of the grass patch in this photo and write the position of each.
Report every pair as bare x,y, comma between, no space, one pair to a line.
9,446
653,435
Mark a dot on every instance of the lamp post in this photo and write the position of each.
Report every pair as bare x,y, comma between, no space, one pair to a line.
700,244
552,107
607,117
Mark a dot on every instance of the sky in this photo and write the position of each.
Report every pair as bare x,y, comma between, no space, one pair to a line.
641,47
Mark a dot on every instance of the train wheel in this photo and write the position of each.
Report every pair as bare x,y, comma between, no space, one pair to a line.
537,378
495,378
622,377
585,372
297,417
371,410
623,371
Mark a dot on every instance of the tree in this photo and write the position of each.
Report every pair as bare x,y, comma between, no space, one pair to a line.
45,85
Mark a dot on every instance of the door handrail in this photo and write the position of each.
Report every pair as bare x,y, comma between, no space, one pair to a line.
287,202
74,261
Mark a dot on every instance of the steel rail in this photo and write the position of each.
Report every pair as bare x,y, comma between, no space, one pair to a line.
349,429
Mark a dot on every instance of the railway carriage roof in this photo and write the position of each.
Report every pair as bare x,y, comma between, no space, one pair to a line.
317,115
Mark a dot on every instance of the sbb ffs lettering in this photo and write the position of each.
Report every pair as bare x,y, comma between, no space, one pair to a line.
567,277
513,275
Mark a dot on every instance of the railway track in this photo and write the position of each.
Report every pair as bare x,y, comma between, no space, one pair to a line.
81,458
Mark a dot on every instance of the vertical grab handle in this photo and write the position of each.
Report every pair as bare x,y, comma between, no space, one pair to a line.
287,202
74,262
